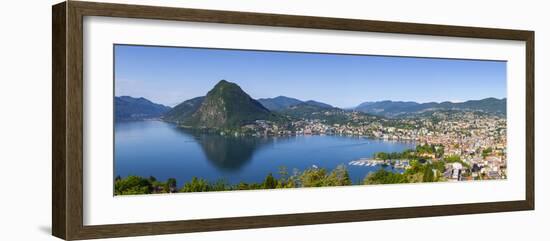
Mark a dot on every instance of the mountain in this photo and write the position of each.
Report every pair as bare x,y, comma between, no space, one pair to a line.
130,108
386,106
318,104
278,103
281,103
184,110
395,108
311,110
227,106
490,105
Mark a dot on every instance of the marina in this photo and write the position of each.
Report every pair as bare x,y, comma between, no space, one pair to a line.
369,162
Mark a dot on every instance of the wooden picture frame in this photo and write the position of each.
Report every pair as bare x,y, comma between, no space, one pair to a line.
67,124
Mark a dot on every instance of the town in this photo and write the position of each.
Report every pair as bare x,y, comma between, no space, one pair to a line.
471,144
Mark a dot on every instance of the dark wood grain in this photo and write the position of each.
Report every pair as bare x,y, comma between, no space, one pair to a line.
530,120
59,192
67,136
74,120
279,20
121,230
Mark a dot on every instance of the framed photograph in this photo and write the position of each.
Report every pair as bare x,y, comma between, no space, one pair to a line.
171,120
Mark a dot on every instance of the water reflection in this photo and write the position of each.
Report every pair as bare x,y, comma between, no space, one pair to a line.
154,148
228,152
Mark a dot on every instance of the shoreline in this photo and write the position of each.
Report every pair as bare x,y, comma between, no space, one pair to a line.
216,132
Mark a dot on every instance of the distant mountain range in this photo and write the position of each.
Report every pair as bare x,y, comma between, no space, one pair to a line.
130,108
280,103
226,105
396,108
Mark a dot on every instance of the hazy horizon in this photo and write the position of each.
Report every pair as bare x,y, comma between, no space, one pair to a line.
315,100
171,75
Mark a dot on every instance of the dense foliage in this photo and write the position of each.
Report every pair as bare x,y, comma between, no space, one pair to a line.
311,177
385,177
427,172
455,158
420,152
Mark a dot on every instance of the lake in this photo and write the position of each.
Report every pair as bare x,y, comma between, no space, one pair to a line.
162,150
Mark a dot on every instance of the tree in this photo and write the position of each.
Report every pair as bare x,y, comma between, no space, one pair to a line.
220,185
428,174
338,177
313,177
456,158
452,158
381,156
486,152
132,185
439,151
170,185
439,166
283,177
384,177
196,185
270,182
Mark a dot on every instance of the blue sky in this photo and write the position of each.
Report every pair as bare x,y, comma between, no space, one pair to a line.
169,75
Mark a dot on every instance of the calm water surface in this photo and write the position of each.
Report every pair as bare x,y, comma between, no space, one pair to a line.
159,149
